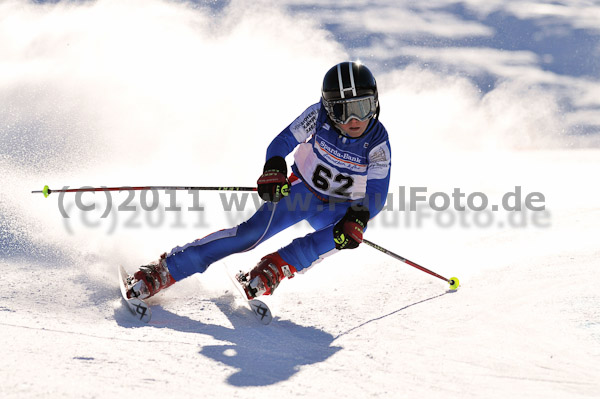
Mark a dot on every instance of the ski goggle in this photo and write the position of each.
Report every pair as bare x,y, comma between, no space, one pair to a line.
341,111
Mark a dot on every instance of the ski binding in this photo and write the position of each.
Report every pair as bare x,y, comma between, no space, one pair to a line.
139,308
259,308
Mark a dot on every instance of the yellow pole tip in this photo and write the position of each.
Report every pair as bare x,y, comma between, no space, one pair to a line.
454,283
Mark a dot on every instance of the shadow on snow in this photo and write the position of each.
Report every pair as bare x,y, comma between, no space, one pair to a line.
263,355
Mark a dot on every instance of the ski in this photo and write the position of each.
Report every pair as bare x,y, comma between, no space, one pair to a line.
139,308
260,310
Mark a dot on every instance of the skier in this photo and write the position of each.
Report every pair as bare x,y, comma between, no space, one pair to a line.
339,180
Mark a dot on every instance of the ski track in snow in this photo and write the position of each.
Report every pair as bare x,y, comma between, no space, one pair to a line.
525,322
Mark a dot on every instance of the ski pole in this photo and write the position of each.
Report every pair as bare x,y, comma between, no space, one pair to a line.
454,283
47,191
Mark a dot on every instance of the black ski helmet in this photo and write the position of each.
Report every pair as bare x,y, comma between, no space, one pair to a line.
346,83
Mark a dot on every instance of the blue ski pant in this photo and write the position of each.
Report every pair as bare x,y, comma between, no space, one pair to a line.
269,219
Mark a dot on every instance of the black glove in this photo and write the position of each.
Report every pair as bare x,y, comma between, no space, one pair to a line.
348,232
273,183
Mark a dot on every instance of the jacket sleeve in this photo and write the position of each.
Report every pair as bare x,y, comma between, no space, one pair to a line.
378,181
297,132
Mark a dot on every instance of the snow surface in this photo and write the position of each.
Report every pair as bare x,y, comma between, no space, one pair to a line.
484,96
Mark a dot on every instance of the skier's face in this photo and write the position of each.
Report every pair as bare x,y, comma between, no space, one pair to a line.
354,128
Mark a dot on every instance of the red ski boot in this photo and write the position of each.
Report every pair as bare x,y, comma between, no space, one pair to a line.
266,276
150,279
